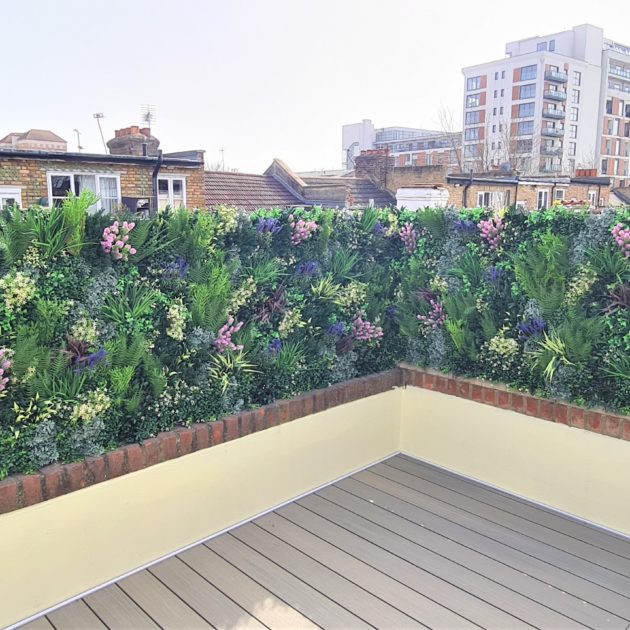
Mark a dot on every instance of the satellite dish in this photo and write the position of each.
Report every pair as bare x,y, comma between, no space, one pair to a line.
506,167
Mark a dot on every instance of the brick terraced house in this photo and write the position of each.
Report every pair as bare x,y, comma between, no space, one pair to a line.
137,175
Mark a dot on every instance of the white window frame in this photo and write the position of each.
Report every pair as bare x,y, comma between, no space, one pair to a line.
10,192
71,174
559,194
170,177
542,194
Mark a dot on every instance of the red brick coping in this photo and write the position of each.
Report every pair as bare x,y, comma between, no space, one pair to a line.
57,479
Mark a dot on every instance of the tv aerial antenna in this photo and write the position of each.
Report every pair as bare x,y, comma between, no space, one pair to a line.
99,116
147,115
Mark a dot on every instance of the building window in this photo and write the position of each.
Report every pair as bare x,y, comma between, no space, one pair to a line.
496,76
501,109
470,150
10,196
528,73
592,197
525,128
171,192
499,146
527,91
484,199
503,74
543,199
495,94
492,146
575,96
559,194
473,100
572,148
524,146
494,128
429,159
472,133
577,77
104,185
627,113
502,92
494,111
573,131
552,45
609,106
473,118
526,110
474,83
541,46
604,166
500,127
574,114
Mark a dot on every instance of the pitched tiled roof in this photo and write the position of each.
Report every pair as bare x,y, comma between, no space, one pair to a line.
41,135
360,189
247,192
622,195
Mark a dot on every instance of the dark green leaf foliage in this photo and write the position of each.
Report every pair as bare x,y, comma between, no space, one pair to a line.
107,352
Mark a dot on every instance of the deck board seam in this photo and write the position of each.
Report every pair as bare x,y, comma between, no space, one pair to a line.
389,464
297,577
506,527
560,568
442,578
372,567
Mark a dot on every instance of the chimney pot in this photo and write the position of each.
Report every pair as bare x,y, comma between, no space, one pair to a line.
134,130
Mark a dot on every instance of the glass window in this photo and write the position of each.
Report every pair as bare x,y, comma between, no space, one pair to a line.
526,110
496,76
543,199
494,111
495,94
559,194
575,96
541,46
503,74
473,100
171,192
473,117
470,150
552,45
10,196
609,106
524,146
527,91
60,186
574,113
572,148
604,166
108,192
473,83
502,92
573,131
501,109
577,77
525,128
494,128
528,73
471,134
483,199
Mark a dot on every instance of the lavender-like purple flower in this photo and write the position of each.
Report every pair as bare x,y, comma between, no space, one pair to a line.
435,317
391,311
307,269
274,347
270,225
178,268
337,330
91,360
409,237
533,327
379,229
494,275
465,226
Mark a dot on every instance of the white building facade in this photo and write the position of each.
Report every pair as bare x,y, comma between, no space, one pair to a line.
552,105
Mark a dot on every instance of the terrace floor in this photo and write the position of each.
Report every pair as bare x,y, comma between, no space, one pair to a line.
401,544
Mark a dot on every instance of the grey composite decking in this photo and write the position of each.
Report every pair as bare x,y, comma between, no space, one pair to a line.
400,545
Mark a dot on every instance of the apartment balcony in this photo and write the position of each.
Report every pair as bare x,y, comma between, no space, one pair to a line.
550,168
620,72
552,132
555,95
552,151
557,114
558,77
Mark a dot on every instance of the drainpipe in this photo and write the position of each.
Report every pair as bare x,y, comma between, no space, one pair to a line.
599,193
466,187
154,178
516,192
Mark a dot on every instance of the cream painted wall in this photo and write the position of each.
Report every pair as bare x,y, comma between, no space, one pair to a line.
577,471
60,548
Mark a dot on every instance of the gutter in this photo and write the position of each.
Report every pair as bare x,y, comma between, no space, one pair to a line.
97,157
154,179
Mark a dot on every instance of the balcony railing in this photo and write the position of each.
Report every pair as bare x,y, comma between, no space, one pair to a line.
555,95
551,168
558,114
550,150
552,132
554,75
620,72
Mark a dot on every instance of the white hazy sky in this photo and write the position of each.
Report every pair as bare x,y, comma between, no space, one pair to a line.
262,79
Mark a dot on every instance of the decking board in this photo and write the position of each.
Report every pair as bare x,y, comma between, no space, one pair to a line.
402,544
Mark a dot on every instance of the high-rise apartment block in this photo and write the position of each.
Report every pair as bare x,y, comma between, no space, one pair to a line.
553,104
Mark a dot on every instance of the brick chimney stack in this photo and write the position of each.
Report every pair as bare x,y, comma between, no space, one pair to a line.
374,164
131,141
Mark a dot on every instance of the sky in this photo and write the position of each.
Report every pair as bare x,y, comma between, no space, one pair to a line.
258,79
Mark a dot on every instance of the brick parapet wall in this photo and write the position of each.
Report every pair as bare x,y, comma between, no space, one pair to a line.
57,479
